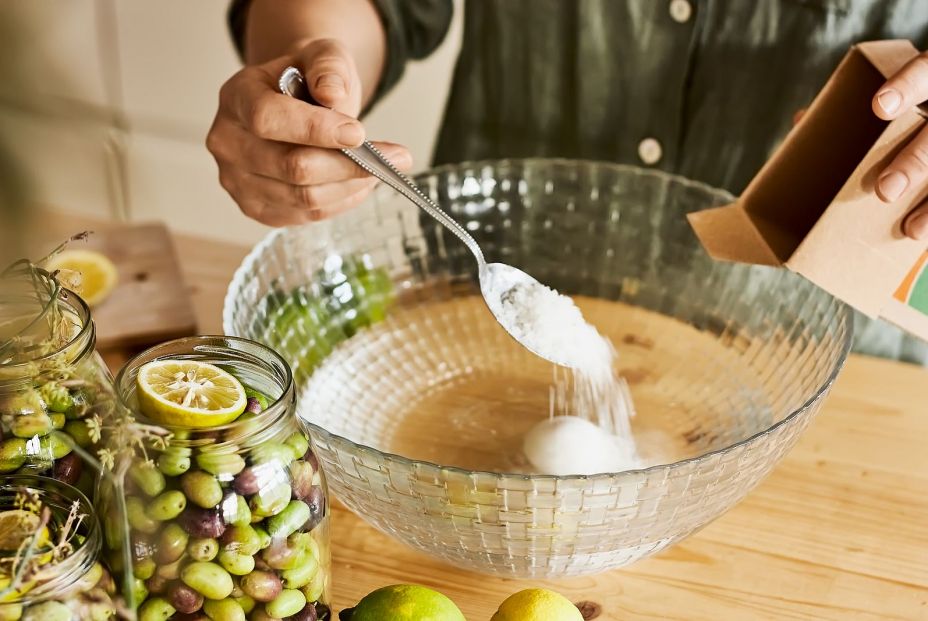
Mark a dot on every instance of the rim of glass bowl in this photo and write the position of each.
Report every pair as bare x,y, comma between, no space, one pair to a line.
269,417
253,257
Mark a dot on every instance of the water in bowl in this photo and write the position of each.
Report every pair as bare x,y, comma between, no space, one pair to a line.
443,383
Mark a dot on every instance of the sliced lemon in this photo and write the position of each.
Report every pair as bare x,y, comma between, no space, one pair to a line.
96,273
16,525
189,393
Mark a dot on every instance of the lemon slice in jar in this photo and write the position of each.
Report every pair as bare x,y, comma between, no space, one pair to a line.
188,393
16,525
96,273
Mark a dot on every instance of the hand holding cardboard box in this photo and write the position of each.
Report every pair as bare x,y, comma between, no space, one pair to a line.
814,206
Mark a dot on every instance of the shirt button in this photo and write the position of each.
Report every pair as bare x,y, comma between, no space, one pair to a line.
650,151
681,10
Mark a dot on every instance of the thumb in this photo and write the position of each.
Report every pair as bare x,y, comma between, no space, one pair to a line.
331,75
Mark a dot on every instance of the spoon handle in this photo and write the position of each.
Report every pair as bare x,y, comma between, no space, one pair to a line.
369,157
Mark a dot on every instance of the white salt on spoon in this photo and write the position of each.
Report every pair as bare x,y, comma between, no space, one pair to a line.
595,435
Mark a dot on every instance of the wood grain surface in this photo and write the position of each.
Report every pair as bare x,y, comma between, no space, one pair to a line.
838,531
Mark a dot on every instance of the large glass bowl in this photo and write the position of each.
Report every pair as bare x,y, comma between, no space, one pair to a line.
417,418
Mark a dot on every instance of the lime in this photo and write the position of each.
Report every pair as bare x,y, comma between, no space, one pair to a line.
189,393
97,274
16,525
537,605
406,602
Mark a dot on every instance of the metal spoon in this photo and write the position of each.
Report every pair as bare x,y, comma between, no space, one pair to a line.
491,275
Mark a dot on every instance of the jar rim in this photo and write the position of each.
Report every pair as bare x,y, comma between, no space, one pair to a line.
84,553
79,306
256,353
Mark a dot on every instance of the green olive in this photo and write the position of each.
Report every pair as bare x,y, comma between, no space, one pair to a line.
272,452
302,574
236,563
241,538
12,454
148,478
138,518
223,610
224,463
289,602
77,429
313,590
144,569
203,549
30,425
201,488
208,579
172,543
270,500
174,461
55,445
58,420
156,609
298,444
288,521
167,506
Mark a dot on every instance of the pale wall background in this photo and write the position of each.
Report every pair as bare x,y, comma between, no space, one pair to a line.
105,104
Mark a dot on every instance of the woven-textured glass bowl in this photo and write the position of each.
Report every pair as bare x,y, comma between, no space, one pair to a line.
417,418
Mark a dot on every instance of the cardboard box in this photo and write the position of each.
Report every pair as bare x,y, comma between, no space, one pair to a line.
813,208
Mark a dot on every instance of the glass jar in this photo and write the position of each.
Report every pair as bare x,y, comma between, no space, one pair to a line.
56,394
50,572
229,520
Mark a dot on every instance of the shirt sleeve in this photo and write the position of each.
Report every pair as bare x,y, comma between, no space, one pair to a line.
414,28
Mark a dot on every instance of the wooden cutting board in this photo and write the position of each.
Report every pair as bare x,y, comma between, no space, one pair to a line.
150,303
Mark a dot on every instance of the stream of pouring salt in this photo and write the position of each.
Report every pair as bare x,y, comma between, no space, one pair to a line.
589,429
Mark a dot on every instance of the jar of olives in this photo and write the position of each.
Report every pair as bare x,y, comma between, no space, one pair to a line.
222,501
49,548
56,394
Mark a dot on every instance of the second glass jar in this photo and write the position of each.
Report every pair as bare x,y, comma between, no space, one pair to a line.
230,521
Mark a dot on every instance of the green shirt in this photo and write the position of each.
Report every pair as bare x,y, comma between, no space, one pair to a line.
701,88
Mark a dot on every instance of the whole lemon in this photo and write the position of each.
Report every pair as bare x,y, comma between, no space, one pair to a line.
406,602
537,605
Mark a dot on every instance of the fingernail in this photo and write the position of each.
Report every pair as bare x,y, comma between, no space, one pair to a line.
401,158
330,80
350,134
890,100
892,185
917,227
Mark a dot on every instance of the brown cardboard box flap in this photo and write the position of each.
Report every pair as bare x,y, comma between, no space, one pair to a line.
812,206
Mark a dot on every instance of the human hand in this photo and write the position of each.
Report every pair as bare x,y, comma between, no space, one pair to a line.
277,156
907,174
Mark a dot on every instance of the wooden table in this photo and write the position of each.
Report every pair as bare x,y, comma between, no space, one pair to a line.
838,531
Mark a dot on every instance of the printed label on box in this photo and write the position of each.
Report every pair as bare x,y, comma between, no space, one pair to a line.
913,291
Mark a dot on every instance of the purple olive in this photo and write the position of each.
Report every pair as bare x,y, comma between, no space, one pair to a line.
253,406
199,522
183,598
68,469
301,479
156,584
307,614
246,483
261,586
196,616
316,501
311,459
322,612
